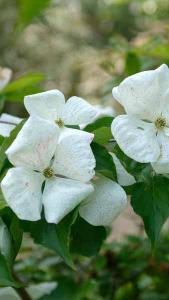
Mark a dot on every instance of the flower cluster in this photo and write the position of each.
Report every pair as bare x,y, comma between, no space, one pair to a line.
143,132
54,166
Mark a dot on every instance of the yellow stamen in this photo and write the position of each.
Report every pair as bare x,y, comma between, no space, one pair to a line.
160,123
59,122
48,173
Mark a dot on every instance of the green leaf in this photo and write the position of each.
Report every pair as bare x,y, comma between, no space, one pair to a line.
104,161
29,10
133,64
7,142
86,239
14,228
3,204
18,95
102,135
6,278
141,171
68,289
21,85
2,101
55,237
5,242
151,202
16,234
102,122
101,129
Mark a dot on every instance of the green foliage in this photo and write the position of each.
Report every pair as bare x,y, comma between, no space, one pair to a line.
87,239
70,235
101,129
2,201
133,64
10,242
24,85
68,289
122,270
29,10
104,161
6,278
55,237
150,201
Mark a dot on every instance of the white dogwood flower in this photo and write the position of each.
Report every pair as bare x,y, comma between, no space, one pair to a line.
143,133
7,124
51,169
5,77
104,205
51,106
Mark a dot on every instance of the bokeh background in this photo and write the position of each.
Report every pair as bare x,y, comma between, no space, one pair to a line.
84,48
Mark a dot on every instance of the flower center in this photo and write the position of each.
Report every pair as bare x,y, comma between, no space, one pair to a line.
160,123
48,173
59,122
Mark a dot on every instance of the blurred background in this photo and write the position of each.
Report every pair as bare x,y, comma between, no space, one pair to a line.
84,48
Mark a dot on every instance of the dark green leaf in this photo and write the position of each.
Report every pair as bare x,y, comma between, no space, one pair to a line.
15,230
86,239
16,234
104,161
2,101
6,278
151,202
68,289
55,237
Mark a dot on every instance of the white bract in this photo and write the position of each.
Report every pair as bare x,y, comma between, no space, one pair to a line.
51,169
124,178
143,133
101,111
7,124
51,106
5,76
104,205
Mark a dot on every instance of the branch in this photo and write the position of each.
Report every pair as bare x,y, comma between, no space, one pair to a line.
21,291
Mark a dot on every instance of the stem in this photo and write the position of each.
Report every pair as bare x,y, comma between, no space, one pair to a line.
21,291
9,123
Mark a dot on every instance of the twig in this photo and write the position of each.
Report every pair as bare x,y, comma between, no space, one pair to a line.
21,291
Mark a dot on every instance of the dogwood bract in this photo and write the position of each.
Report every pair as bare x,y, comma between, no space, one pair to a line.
8,123
143,133
51,106
124,178
106,202
51,169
